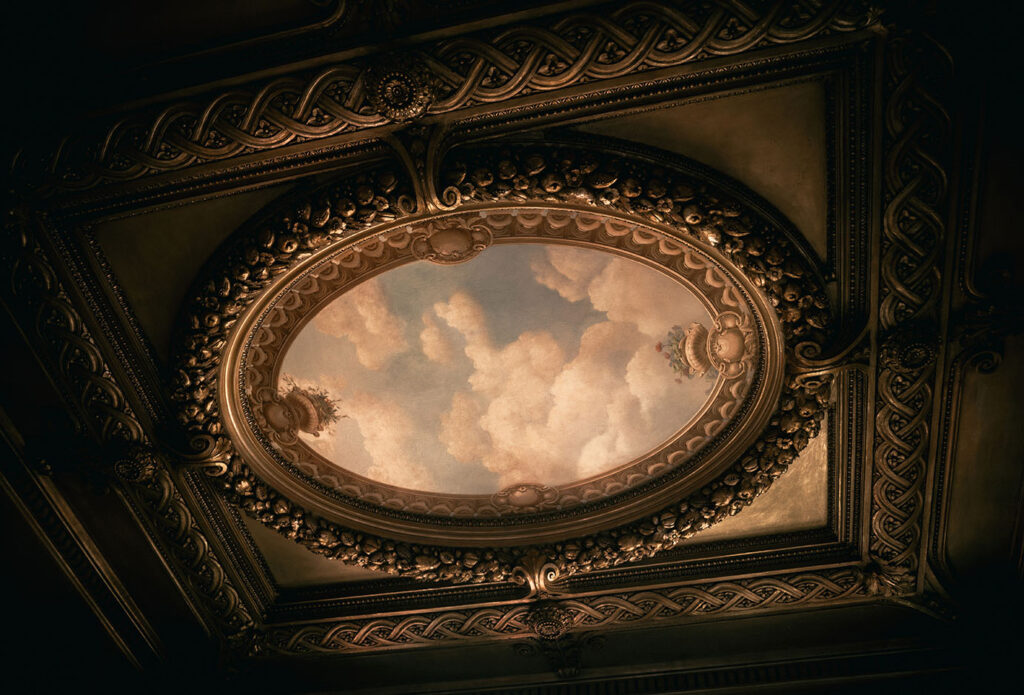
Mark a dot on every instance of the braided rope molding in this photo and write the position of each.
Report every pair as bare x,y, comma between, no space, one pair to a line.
918,131
38,299
151,486
485,68
42,306
588,613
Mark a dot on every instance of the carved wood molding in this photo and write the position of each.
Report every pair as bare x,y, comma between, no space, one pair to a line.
913,233
496,65
40,303
916,197
151,487
599,612
36,297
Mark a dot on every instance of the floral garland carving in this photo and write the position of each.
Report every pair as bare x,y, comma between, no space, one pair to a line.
589,613
493,66
548,174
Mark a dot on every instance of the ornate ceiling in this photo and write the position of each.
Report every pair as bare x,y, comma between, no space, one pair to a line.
577,341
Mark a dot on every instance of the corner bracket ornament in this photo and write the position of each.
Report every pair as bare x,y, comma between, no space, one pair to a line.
419,148
543,577
989,317
809,366
208,453
880,578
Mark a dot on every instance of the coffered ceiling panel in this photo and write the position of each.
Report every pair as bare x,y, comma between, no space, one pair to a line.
441,347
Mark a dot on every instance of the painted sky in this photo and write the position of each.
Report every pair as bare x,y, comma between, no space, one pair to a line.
530,363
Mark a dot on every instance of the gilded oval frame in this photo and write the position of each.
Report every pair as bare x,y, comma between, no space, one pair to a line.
685,462
666,192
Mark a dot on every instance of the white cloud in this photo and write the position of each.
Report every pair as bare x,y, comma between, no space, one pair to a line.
389,453
532,415
434,342
650,378
644,299
531,410
363,316
461,431
567,270
613,285
389,439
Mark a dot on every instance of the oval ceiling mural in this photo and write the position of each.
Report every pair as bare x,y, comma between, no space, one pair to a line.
505,372
532,365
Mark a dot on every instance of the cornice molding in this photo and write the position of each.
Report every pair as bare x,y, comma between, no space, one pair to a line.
151,487
581,614
37,299
914,223
496,65
62,534
981,313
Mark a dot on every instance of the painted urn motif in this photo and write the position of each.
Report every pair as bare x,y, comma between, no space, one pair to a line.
728,347
309,410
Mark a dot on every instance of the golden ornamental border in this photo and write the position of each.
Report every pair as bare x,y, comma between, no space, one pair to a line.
590,45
